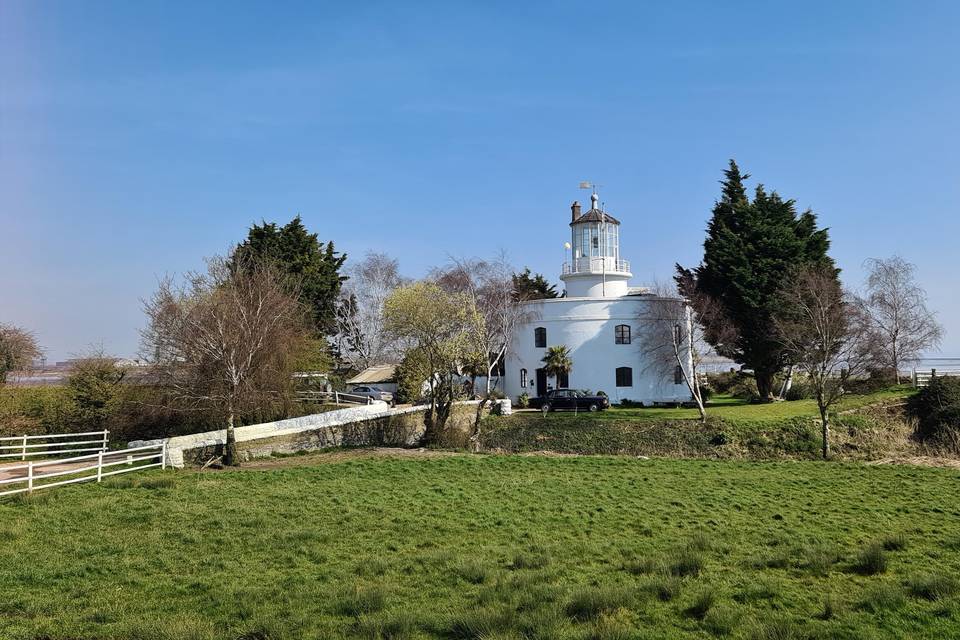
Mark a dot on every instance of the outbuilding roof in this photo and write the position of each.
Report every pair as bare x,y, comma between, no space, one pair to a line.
374,374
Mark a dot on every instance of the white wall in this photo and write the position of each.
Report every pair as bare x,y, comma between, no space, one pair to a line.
586,327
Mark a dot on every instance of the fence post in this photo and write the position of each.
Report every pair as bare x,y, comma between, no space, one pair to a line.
163,455
100,466
105,432
24,456
336,398
30,477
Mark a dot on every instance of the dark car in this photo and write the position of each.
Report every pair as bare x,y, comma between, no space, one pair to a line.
569,400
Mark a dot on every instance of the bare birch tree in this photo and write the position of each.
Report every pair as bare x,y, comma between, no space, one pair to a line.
825,334
489,284
225,341
361,339
897,309
671,341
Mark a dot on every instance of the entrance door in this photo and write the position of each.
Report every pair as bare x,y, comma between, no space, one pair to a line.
541,382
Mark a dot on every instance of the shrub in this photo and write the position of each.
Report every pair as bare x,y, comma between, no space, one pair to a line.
745,388
721,382
799,390
523,400
937,410
871,560
931,586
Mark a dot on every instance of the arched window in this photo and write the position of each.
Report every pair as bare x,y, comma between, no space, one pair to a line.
621,334
523,378
624,377
540,337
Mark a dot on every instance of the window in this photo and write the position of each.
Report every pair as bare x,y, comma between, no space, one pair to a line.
563,380
523,378
540,337
622,334
678,375
677,335
624,377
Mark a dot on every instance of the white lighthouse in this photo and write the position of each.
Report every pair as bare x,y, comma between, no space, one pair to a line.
599,319
596,268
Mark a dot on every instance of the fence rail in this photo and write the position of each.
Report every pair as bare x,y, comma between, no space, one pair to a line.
25,446
336,396
922,377
33,476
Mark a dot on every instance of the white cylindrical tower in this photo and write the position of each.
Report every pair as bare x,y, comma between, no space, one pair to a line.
596,268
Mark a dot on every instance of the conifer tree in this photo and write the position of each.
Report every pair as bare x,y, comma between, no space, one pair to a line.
315,265
750,253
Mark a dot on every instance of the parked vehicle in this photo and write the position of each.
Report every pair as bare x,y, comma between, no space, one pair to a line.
373,392
569,400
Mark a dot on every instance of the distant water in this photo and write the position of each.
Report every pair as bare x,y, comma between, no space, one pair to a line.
939,363
714,364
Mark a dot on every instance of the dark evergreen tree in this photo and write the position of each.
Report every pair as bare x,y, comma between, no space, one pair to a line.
316,265
751,250
532,286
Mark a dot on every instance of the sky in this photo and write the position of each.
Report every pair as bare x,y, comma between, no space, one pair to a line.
136,138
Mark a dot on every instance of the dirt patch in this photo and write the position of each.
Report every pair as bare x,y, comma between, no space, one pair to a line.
343,455
922,461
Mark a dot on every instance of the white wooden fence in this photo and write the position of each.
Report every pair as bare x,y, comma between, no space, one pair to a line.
921,378
33,475
53,444
336,396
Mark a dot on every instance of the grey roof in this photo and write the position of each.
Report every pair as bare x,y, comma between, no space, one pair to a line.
595,215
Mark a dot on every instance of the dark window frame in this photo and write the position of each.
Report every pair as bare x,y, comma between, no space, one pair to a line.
523,378
622,334
678,375
540,337
624,376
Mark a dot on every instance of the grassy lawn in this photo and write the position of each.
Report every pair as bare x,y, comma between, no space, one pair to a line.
729,408
489,547
735,429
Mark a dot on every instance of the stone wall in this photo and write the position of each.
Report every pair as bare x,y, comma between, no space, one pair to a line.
368,425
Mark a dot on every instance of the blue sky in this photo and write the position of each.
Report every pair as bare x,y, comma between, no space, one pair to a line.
138,137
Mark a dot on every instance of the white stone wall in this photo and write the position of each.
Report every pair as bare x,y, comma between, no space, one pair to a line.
586,327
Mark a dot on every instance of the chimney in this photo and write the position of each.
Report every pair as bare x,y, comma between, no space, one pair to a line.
575,210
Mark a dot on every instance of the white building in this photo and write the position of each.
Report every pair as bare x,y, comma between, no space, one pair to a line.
601,321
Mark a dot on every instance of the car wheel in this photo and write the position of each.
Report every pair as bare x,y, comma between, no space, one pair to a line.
594,407
545,408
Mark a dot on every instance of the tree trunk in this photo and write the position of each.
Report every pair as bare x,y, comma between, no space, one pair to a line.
825,421
764,384
230,447
787,383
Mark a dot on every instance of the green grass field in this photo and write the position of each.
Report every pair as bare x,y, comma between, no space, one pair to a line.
460,546
725,407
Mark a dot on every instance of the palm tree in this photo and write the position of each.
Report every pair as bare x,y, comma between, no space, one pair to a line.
557,362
